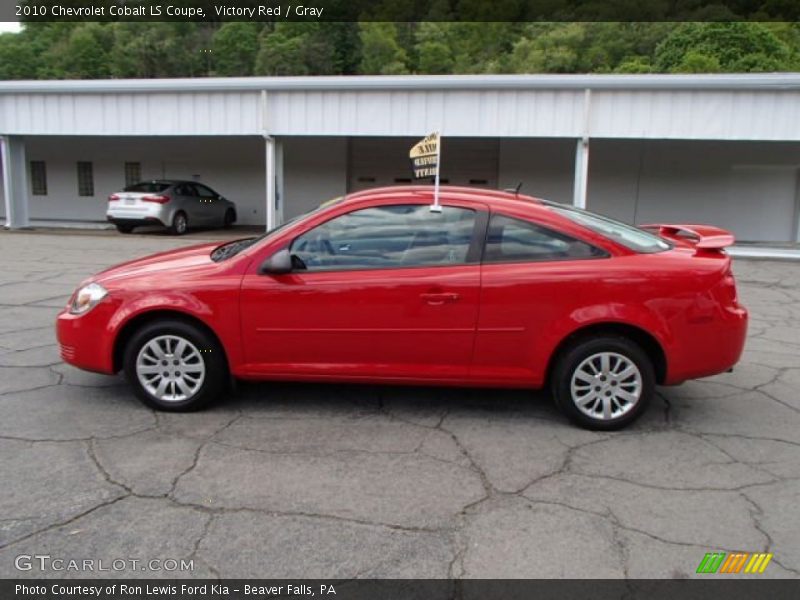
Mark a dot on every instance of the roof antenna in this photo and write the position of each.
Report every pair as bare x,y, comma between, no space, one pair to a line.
514,190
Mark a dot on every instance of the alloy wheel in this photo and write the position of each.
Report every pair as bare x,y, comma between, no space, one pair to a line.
180,223
170,368
606,385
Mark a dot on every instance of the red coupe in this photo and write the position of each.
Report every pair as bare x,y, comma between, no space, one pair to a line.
495,289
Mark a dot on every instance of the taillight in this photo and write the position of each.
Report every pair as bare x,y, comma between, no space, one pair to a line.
159,199
113,197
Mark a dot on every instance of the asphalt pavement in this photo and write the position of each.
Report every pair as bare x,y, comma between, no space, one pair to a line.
340,481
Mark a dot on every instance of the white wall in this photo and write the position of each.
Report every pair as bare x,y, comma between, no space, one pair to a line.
2,193
723,106
747,187
380,161
234,167
544,166
314,170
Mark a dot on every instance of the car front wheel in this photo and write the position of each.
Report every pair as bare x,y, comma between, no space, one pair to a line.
175,366
603,383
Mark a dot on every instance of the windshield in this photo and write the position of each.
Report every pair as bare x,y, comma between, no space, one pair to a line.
233,248
627,235
148,187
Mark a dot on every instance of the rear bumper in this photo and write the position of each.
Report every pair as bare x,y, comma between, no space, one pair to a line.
135,222
144,213
711,347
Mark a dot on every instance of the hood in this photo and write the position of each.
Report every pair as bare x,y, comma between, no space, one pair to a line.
179,260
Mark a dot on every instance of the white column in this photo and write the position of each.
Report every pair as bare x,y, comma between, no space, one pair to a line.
15,181
270,181
280,201
581,183
581,173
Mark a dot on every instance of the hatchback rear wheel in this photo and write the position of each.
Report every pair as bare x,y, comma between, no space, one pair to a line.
179,224
175,366
603,383
230,218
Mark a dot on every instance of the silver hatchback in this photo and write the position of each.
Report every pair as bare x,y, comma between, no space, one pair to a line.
176,205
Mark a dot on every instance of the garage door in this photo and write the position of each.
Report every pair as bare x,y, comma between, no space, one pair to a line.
376,162
761,203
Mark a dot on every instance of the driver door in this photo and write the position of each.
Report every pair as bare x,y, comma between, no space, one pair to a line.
389,292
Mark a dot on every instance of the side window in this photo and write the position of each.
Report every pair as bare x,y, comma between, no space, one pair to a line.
386,237
515,240
85,179
204,191
185,189
133,173
38,178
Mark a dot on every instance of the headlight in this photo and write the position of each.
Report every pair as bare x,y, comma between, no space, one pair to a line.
86,298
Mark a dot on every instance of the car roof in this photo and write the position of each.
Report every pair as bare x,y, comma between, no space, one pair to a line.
452,192
166,181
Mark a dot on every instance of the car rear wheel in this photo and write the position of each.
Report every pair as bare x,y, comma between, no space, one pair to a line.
603,383
179,224
230,218
175,366
125,228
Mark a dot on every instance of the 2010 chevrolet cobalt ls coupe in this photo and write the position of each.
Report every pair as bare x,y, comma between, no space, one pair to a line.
497,289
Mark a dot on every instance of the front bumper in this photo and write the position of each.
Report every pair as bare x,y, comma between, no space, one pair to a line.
85,341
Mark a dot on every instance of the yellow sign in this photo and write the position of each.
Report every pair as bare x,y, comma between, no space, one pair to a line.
424,157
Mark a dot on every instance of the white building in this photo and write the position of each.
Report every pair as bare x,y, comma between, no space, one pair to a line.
723,149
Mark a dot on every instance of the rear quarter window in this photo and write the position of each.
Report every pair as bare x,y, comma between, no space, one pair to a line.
629,236
517,240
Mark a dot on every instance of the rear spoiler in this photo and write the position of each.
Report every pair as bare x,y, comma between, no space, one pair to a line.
704,237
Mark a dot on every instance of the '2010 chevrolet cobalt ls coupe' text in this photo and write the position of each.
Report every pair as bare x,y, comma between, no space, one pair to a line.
496,289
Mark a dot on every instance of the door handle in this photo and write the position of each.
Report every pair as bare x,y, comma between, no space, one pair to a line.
437,298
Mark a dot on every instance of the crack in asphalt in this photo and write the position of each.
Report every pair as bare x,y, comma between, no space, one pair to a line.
461,452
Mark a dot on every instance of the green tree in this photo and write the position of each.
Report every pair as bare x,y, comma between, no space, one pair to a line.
346,44
53,50
281,55
17,59
634,64
434,50
381,53
235,46
295,48
48,41
549,48
85,53
164,49
727,47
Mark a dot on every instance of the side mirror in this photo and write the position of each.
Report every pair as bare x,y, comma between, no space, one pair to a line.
279,263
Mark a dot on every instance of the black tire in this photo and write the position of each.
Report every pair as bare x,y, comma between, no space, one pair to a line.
229,219
125,228
180,223
211,386
576,357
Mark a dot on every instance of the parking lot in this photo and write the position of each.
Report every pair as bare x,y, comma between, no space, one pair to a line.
290,480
